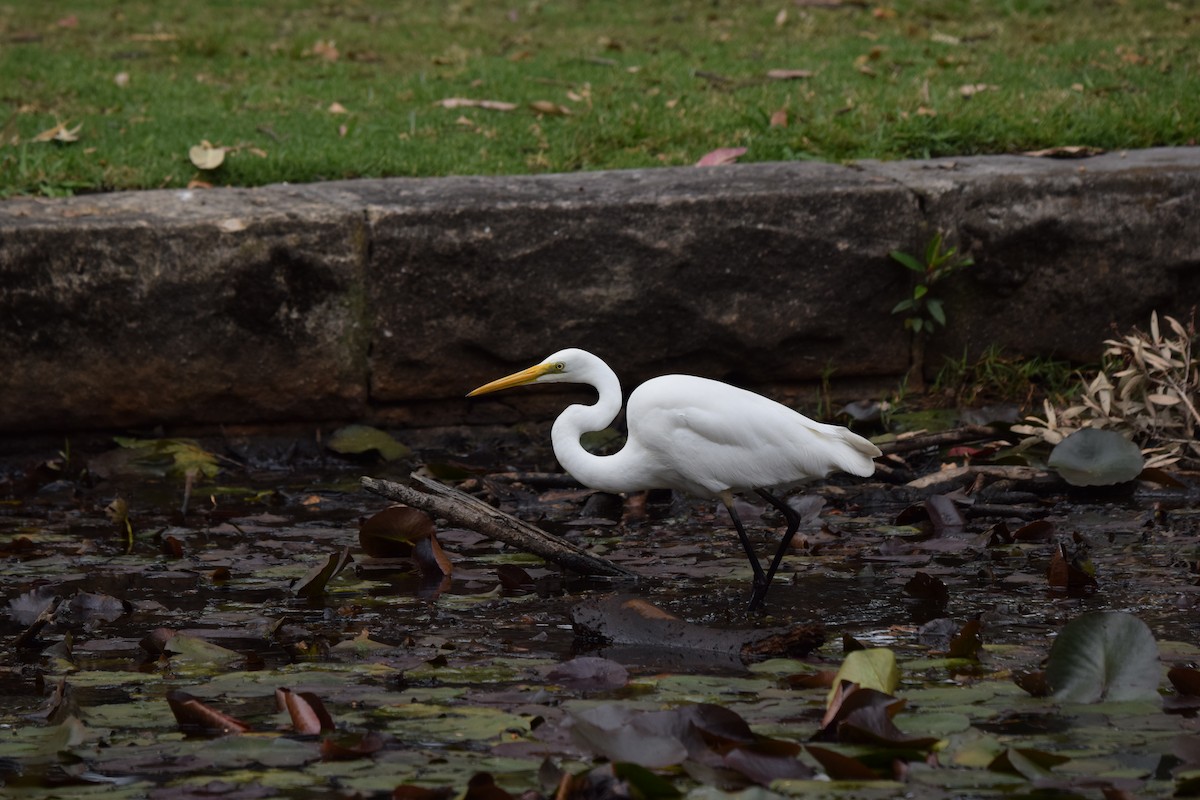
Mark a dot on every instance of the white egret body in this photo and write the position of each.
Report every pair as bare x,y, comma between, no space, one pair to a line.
696,435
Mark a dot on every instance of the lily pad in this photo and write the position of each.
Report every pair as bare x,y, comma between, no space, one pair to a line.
1104,655
1091,457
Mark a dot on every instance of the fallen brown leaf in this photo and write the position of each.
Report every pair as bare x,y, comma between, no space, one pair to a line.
59,133
1067,151
789,74
205,156
972,89
720,156
191,713
547,107
467,102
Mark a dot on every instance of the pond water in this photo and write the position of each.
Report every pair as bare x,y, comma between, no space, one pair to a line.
453,675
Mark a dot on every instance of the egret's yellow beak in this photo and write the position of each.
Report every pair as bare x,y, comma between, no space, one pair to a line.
516,379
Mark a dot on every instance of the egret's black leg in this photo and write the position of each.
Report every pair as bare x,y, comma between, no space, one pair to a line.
760,578
793,523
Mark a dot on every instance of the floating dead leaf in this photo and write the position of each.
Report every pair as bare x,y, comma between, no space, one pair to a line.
972,89
306,710
348,748
967,644
1033,681
313,584
467,102
721,156
431,559
864,716
550,108
407,791
1186,680
841,767
789,74
1039,530
192,713
155,642
337,108
924,586
482,786
59,133
205,156
944,513
394,531
1067,151
1070,573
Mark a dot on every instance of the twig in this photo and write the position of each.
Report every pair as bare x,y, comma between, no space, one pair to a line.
961,474
967,433
463,509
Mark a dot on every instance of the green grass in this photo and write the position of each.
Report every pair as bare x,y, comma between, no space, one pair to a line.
647,83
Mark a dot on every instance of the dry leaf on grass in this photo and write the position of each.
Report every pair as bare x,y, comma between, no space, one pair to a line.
1067,151
723,155
467,102
205,156
972,89
59,133
547,107
789,74
324,50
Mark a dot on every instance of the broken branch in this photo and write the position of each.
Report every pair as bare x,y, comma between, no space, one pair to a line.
470,512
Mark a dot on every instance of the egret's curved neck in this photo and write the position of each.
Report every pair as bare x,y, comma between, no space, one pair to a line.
606,473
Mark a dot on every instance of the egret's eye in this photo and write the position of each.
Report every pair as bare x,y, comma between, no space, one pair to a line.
560,367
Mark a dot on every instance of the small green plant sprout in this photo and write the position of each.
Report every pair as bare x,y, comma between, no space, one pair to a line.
923,309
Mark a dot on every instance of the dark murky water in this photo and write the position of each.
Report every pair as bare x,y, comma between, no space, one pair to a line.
223,571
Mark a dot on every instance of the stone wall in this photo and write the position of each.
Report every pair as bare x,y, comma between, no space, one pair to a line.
387,300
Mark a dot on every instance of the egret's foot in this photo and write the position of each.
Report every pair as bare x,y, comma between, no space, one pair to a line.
758,594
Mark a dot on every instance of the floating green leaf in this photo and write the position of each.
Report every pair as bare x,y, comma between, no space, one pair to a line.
156,458
1104,655
1092,457
871,669
359,439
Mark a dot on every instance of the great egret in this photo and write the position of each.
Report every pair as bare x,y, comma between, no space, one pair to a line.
696,435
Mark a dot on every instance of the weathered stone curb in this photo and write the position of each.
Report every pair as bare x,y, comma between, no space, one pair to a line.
389,299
